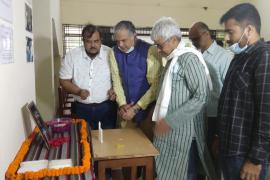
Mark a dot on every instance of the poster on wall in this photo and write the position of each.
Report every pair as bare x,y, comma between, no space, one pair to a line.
28,18
6,10
6,44
29,49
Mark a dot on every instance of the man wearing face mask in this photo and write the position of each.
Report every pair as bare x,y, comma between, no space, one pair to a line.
85,73
135,67
244,105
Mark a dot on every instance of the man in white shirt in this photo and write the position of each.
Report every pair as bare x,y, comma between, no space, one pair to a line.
218,60
85,73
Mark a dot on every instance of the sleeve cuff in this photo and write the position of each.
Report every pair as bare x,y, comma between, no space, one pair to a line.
255,161
142,105
121,103
169,121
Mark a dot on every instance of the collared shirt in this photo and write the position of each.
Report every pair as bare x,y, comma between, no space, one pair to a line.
244,106
154,66
218,60
86,73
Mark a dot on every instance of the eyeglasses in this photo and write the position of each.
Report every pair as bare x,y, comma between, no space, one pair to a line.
161,46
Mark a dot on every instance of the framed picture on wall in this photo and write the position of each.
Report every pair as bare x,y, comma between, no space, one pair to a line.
6,44
44,130
28,18
29,49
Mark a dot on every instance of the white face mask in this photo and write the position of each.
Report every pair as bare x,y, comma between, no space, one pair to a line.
236,49
128,51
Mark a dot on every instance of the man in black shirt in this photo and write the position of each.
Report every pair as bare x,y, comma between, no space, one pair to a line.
244,105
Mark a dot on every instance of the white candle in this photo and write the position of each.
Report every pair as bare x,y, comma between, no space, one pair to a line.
100,132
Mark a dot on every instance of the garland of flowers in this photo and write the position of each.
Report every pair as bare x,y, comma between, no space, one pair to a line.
56,142
86,163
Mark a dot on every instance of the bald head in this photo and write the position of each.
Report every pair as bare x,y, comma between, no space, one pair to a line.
200,36
199,26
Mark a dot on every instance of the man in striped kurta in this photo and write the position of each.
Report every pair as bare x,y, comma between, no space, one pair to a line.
180,131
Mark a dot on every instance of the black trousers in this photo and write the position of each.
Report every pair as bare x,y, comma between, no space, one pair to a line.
105,112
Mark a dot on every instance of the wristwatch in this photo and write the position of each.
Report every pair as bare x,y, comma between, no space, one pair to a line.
136,110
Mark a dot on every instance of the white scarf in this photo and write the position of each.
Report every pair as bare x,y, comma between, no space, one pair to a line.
163,100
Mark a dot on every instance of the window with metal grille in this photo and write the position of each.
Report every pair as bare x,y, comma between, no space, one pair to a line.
71,36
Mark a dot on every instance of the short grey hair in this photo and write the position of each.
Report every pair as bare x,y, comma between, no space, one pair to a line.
127,25
165,27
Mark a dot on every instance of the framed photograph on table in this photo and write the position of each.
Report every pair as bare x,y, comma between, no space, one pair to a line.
44,130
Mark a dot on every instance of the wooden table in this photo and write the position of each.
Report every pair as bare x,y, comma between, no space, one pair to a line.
123,148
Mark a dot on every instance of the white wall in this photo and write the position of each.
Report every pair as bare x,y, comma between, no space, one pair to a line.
17,87
263,8
48,50
144,13
21,82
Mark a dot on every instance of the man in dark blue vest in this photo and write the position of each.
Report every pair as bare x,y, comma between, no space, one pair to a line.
135,68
